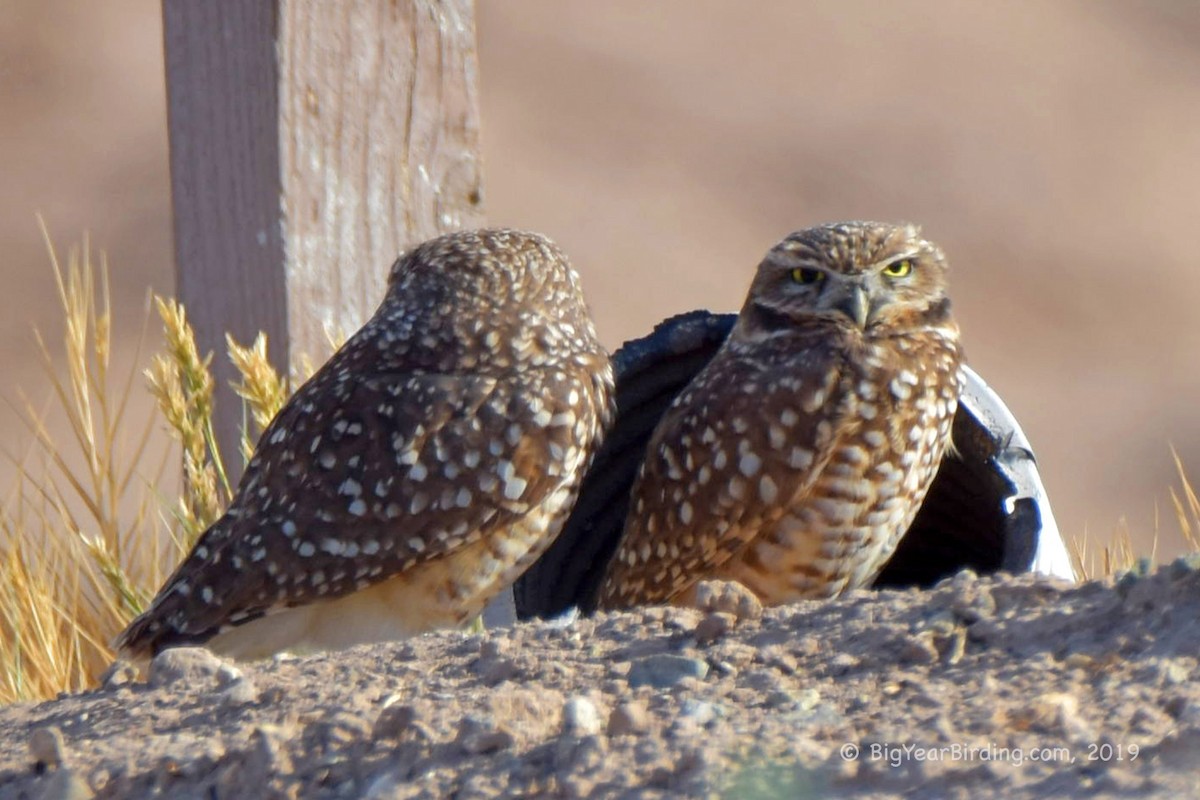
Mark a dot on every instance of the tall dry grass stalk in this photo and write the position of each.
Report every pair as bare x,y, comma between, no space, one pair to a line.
1187,506
182,383
260,386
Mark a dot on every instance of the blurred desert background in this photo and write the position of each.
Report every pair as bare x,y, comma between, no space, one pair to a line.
1053,149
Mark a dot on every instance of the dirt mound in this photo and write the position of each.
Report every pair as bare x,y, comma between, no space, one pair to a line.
1008,687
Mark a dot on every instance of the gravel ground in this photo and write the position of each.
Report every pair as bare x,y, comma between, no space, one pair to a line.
1013,687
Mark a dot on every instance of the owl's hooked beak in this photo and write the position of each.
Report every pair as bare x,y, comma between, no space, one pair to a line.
855,304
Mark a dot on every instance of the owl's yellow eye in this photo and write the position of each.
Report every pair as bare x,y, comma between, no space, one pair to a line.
899,269
807,276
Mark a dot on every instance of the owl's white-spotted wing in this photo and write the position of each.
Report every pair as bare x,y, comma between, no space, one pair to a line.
746,440
360,478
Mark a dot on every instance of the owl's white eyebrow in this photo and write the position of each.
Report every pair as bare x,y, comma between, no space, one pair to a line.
786,258
897,257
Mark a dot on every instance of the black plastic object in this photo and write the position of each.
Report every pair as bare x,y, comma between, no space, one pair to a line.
986,509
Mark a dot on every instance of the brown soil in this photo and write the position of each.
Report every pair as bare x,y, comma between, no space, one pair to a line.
1013,687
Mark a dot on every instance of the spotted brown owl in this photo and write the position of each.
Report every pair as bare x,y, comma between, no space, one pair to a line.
796,459
416,474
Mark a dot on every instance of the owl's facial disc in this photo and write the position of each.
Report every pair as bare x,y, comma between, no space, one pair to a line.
834,297
878,279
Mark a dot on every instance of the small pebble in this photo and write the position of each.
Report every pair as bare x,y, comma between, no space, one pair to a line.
973,604
393,721
807,699
490,647
917,650
228,674
119,673
580,717
66,785
843,663
628,718
494,670
267,748
477,735
714,626
343,728
240,692
193,665
46,746
392,785
1184,567
1057,712
701,712
664,670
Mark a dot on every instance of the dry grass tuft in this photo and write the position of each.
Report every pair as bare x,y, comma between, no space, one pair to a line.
82,532
1119,554
79,533
1096,561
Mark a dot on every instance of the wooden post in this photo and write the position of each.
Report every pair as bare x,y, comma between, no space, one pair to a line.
311,143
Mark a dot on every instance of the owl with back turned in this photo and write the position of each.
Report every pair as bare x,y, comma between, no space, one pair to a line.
796,459
416,474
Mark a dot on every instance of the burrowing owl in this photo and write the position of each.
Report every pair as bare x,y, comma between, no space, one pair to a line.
416,474
796,459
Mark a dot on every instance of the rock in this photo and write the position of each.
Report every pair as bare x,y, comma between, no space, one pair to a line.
1184,567
228,674
477,735
490,647
664,670
1174,673
1177,750
195,666
714,626
341,729
700,712
1184,710
971,601
239,693
844,663
580,717
64,784
393,785
807,699
917,649
119,673
47,748
267,754
762,680
573,756
393,721
628,718
494,670
951,645
1057,712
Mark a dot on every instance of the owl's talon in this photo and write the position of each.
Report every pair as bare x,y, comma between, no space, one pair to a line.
727,597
